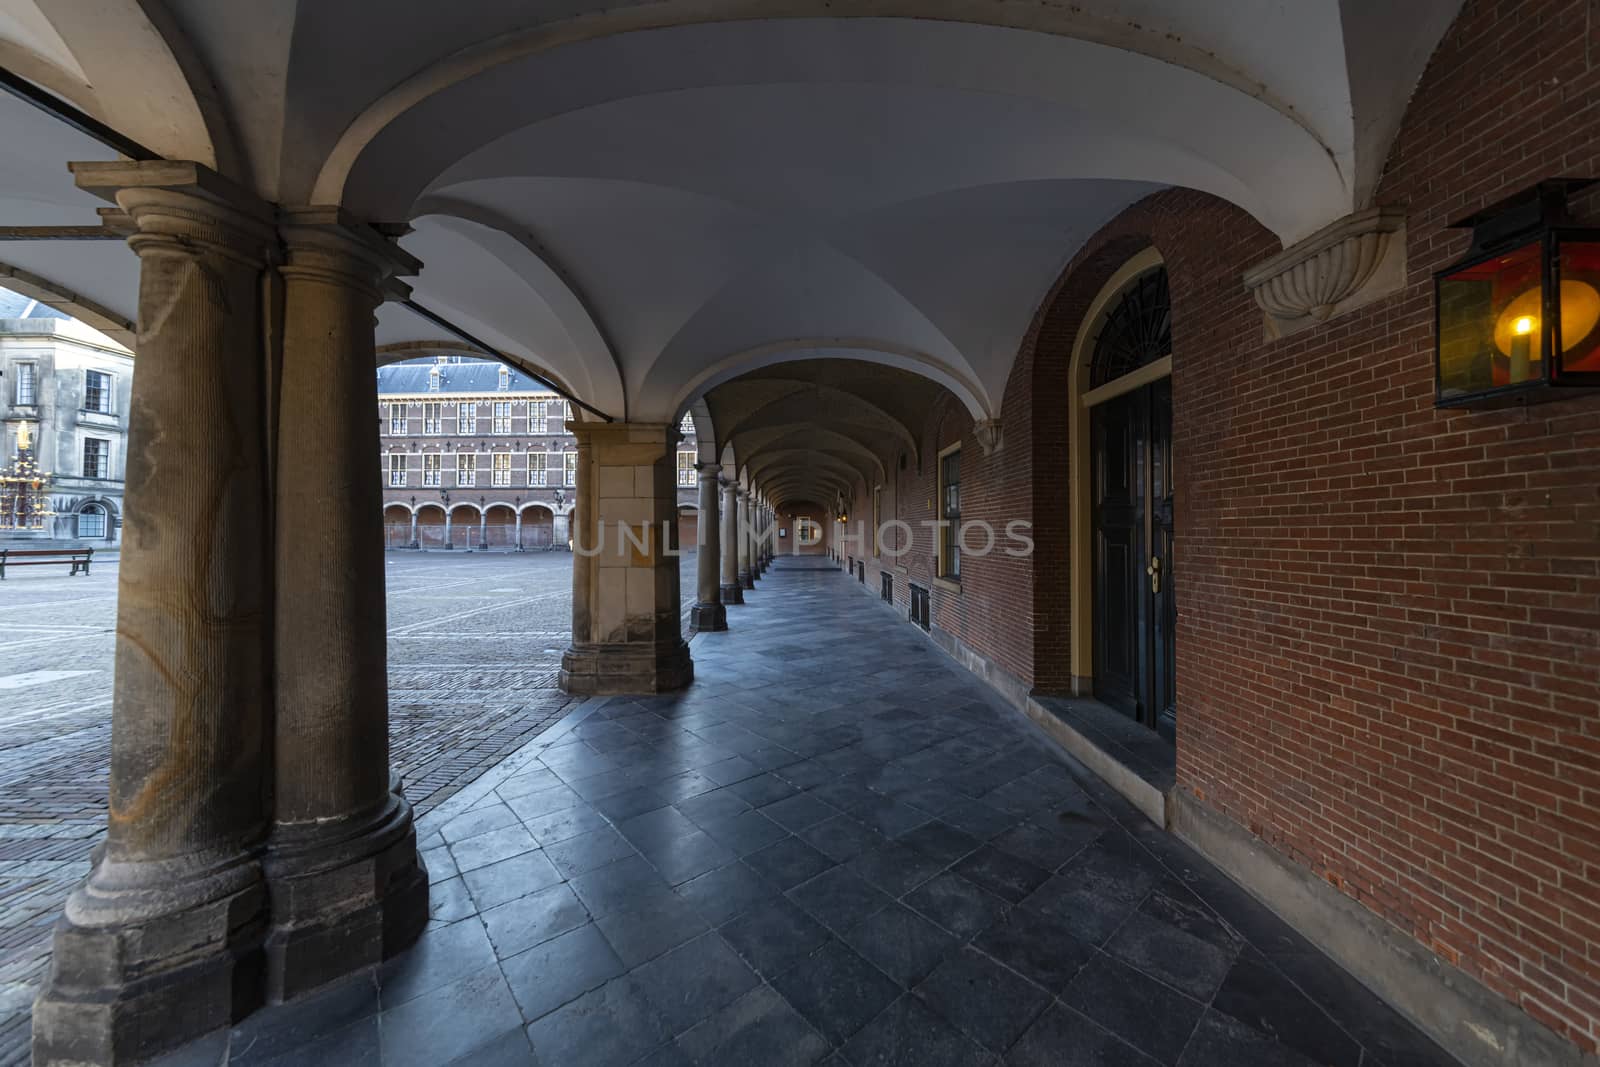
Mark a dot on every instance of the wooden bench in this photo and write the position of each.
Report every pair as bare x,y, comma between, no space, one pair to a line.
39,557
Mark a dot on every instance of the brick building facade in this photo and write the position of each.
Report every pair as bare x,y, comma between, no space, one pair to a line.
476,455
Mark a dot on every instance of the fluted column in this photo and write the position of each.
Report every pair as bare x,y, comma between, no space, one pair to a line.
732,587
709,613
627,630
746,573
162,942
347,888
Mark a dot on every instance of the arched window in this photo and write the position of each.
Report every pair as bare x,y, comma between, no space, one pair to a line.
91,522
1137,329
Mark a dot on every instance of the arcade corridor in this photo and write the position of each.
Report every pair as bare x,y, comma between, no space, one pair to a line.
823,845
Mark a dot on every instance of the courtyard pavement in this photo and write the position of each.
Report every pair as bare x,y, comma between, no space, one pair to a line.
475,642
834,847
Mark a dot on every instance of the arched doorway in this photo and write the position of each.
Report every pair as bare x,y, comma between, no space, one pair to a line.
396,526
464,519
1124,482
538,527
688,528
500,530
430,526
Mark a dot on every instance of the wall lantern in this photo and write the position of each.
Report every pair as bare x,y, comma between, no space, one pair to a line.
1518,320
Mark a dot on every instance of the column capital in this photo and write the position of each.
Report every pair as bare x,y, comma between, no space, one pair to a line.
325,243
709,472
161,201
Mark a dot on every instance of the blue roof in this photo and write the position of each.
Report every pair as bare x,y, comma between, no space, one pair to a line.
17,306
472,377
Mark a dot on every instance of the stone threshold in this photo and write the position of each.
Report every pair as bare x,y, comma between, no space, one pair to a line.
1135,762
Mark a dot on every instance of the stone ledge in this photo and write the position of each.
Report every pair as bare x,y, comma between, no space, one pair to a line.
1468,1020
1113,747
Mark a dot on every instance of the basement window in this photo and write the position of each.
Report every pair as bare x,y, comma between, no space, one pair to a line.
919,605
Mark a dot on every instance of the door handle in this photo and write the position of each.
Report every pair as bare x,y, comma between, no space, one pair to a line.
1154,571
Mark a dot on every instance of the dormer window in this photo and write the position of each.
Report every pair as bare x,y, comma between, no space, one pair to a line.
433,380
505,379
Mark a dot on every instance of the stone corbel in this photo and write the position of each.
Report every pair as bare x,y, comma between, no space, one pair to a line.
987,432
1356,260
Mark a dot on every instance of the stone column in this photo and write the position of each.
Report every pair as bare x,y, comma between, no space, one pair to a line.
347,888
560,529
519,530
732,586
162,942
449,539
483,528
709,612
746,574
414,541
627,632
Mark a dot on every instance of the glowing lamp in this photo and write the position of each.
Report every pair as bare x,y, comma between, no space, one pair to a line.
1518,320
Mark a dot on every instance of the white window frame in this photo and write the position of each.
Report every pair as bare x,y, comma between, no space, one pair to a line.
105,458
501,417
466,469
397,470
108,391
95,511
27,391
500,473
432,418
432,468
399,420
467,418
686,471
538,468
569,467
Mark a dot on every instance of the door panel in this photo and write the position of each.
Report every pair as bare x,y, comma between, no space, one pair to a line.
1118,515
1135,609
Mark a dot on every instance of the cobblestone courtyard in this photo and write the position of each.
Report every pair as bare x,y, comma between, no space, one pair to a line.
475,644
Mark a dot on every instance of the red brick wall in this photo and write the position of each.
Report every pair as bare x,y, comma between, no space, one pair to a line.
1389,633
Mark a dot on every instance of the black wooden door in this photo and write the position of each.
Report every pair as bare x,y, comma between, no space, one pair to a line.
1135,612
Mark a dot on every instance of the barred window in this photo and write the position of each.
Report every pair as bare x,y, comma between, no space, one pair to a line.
430,468
502,468
96,458
397,469
950,512
466,469
538,468
97,391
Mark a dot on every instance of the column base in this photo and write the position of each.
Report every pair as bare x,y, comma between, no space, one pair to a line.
615,669
709,617
746,578
150,956
732,594
344,896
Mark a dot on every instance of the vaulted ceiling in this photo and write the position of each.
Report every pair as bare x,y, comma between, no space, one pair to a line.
649,198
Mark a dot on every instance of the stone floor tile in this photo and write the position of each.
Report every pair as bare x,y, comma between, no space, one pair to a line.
645,933
553,827
788,862
982,999
615,1024
311,1019
1153,1017
836,990
695,980
532,805
763,789
940,841
477,821
838,898
357,1044
978,819
745,833
449,1022
1001,873
758,1028
510,879
798,812
774,936
492,846
1223,1040
956,904
909,1034
727,892
1257,994
626,884
656,827
894,868
1036,946
1167,953
900,943
449,901
1041,847
842,838
1063,1038
526,921
683,858
625,805
710,807
442,955
588,851
560,970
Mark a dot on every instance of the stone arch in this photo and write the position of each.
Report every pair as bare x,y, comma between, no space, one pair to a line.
538,526
397,520
500,525
430,525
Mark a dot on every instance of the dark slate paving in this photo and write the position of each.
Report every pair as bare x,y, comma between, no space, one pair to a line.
835,848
